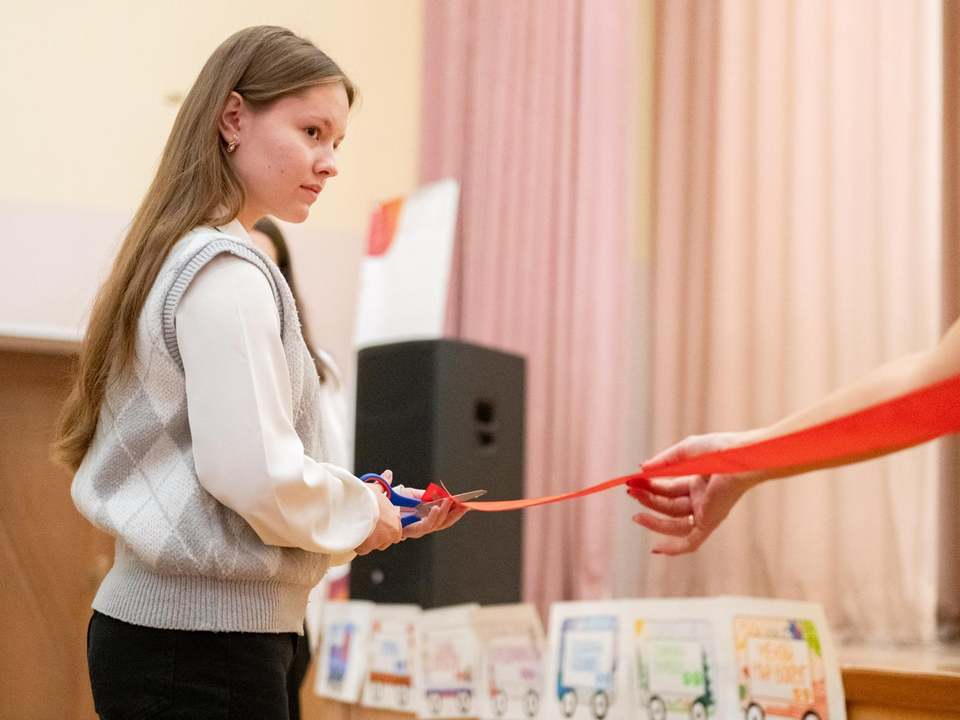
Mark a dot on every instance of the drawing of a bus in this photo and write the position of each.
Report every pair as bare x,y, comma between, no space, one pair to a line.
781,669
340,634
674,675
389,661
448,672
513,670
589,647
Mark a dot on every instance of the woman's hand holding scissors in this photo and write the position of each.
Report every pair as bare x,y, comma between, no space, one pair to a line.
423,518
387,531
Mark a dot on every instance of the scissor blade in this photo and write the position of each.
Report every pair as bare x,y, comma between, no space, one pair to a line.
468,496
424,509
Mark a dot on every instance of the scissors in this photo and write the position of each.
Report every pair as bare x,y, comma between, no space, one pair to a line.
418,509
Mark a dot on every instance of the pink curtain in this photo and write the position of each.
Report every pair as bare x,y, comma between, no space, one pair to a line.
797,247
949,589
524,104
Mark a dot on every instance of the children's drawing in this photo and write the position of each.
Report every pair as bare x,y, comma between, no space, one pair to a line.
341,634
589,648
780,668
448,669
513,660
390,663
675,668
343,650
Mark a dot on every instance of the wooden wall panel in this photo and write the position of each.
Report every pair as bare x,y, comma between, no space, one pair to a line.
51,558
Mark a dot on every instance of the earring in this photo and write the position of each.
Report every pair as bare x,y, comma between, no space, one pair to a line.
233,146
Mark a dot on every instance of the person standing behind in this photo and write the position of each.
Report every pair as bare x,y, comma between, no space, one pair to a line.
267,236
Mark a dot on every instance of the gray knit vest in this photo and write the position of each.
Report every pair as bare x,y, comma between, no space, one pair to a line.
183,560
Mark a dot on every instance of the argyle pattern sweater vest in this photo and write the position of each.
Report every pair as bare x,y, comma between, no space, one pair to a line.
184,560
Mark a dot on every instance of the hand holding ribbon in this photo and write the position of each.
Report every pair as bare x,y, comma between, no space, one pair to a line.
713,471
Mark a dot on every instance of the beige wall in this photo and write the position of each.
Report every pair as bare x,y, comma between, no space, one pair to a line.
90,92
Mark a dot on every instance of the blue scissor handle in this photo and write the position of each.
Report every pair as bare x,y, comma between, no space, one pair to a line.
397,499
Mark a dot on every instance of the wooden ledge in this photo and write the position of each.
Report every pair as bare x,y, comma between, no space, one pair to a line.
39,345
925,691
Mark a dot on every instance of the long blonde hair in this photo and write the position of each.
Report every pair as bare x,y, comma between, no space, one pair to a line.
194,185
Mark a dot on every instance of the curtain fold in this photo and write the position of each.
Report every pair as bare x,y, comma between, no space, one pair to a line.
796,207
949,576
797,247
524,104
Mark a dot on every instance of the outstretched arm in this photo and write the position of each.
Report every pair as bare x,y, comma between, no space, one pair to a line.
695,505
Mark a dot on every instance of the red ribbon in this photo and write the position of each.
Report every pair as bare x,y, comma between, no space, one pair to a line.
910,419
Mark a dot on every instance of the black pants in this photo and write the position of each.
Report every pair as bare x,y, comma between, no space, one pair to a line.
298,671
139,672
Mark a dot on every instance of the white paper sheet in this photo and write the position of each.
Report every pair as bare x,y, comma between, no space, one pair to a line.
403,292
450,665
343,650
513,660
393,653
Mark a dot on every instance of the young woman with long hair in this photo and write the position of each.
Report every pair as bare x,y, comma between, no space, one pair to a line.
193,426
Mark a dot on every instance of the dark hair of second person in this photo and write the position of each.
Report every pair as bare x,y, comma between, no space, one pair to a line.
269,228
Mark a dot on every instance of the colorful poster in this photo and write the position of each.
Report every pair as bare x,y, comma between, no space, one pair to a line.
343,650
783,665
513,654
391,659
734,657
676,668
780,668
406,274
450,665
588,671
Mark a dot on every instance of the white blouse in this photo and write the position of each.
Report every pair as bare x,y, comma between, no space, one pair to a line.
333,410
246,450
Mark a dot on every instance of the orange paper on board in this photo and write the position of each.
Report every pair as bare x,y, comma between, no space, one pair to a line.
910,419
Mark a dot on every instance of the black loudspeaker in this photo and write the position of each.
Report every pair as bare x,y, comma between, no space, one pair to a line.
450,411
